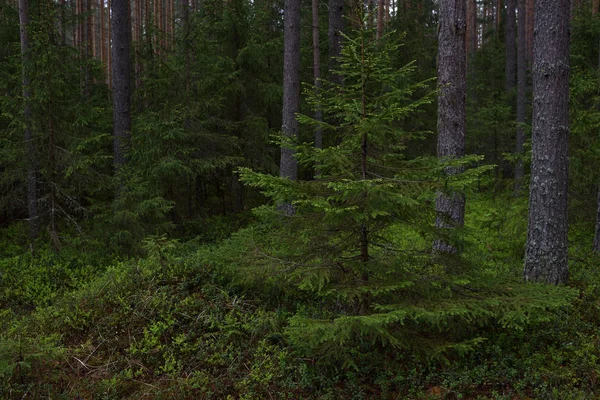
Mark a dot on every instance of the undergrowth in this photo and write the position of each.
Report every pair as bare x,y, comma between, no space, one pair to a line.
186,321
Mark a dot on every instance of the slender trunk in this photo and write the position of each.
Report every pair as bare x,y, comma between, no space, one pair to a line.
596,246
499,8
380,12
30,147
597,233
63,29
529,12
450,207
521,95
317,70
546,250
291,91
511,46
109,43
471,37
121,80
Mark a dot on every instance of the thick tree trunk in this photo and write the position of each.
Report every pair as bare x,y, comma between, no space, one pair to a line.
317,70
521,95
546,250
30,147
336,26
450,207
291,89
511,45
121,80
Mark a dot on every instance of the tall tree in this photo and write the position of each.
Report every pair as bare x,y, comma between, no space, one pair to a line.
510,45
471,27
380,17
596,245
450,207
317,70
521,93
121,79
291,89
30,147
546,250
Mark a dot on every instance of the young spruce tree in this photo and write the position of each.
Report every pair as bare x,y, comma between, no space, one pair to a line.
359,242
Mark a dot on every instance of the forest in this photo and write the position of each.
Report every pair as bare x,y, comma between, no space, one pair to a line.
300,199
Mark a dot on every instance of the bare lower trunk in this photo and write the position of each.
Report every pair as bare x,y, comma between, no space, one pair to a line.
546,250
597,234
30,147
511,45
521,96
121,80
451,109
317,70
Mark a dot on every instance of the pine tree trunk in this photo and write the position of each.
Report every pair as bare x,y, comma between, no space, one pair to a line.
317,70
510,45
380,12
450,208
521,95
291,90
546,250
597,233
529,13
121,80
472,27
336,26
596,246
30,146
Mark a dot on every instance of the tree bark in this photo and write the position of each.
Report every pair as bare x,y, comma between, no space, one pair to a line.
291,90
317,70
121,80
450,207
529,13
546,251
510,45
30,146
596,246
380,17
471,27
521,96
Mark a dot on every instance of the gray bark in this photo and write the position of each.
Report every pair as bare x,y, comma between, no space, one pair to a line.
450,207
521,95
288,167
30,146
510,45
336,26
546,258
121,80
317,70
